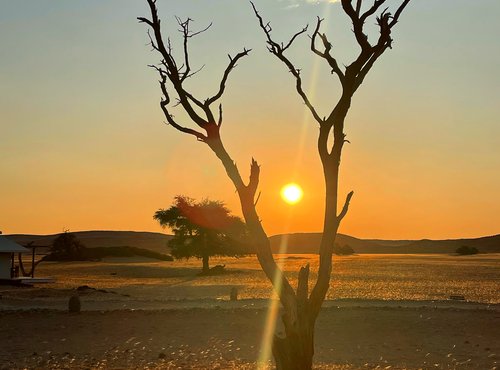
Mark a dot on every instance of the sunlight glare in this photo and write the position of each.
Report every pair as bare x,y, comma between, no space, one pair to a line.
273,310
292,193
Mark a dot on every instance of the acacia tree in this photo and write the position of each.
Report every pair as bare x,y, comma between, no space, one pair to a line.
67,247
300,309
202,229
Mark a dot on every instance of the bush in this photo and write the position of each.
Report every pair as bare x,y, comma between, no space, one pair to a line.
101,252
344,250
93,254
465,250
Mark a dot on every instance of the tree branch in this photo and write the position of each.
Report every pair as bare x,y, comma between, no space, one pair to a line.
261,241
220,115
303,30
253,183
176,76
376,4
229,68
358,69
346,206
145,20
358,6
357,23
368,65
187,34
278,51
398,13
170,72
171,69
303,285
326,54
164,107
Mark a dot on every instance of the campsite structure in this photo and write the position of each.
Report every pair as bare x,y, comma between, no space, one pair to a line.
8,249
9,271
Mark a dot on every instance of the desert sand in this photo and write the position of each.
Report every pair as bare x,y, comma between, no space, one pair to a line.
351,338
147,314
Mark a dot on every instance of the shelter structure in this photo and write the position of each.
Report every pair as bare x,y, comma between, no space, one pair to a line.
10,271
8,250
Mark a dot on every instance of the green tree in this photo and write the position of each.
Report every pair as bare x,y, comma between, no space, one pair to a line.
202,229
67,247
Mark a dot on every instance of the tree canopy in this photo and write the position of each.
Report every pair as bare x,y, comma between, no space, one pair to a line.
202,229
67,247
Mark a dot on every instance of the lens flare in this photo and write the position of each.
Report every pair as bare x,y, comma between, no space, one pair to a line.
273,310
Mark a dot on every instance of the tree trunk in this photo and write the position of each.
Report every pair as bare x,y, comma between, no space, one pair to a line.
258,236
205,255
295,351
206,267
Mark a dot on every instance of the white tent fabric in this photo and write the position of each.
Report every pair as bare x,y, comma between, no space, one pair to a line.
8,246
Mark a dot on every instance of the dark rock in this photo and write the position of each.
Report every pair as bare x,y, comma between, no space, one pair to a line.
74,304
83,287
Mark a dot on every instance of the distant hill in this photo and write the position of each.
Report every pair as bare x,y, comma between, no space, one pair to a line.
156,242
309,243
297,243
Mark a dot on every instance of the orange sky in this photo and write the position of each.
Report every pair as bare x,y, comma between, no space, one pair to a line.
83,145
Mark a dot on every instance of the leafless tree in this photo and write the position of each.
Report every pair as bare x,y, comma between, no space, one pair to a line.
295,350
300,308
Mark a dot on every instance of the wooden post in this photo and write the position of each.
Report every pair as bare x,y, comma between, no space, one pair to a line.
12,273
33,261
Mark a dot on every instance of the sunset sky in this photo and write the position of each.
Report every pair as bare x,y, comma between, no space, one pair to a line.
83,146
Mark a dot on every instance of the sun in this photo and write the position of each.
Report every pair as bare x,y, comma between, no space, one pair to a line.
291,193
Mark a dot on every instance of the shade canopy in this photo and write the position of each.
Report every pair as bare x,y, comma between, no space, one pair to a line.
8,246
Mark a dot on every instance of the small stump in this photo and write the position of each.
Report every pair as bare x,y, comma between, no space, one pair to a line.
233,295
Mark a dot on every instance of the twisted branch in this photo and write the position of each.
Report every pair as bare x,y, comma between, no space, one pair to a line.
170,73
278,50
326,53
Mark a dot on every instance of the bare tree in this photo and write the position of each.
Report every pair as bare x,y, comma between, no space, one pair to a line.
296,349
300,309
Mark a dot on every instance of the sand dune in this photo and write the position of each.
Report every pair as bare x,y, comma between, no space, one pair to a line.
297,243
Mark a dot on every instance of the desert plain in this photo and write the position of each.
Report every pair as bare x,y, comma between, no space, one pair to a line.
382,311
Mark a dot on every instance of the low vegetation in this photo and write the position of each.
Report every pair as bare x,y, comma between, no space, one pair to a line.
465,250
67,247
93,254
101,252
342,250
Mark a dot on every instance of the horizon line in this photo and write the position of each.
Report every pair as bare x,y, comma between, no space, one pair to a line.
270,236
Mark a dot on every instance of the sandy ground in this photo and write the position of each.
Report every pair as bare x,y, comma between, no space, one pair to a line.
386,312
350,338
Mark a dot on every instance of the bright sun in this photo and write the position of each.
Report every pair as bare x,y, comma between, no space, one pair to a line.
291,193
